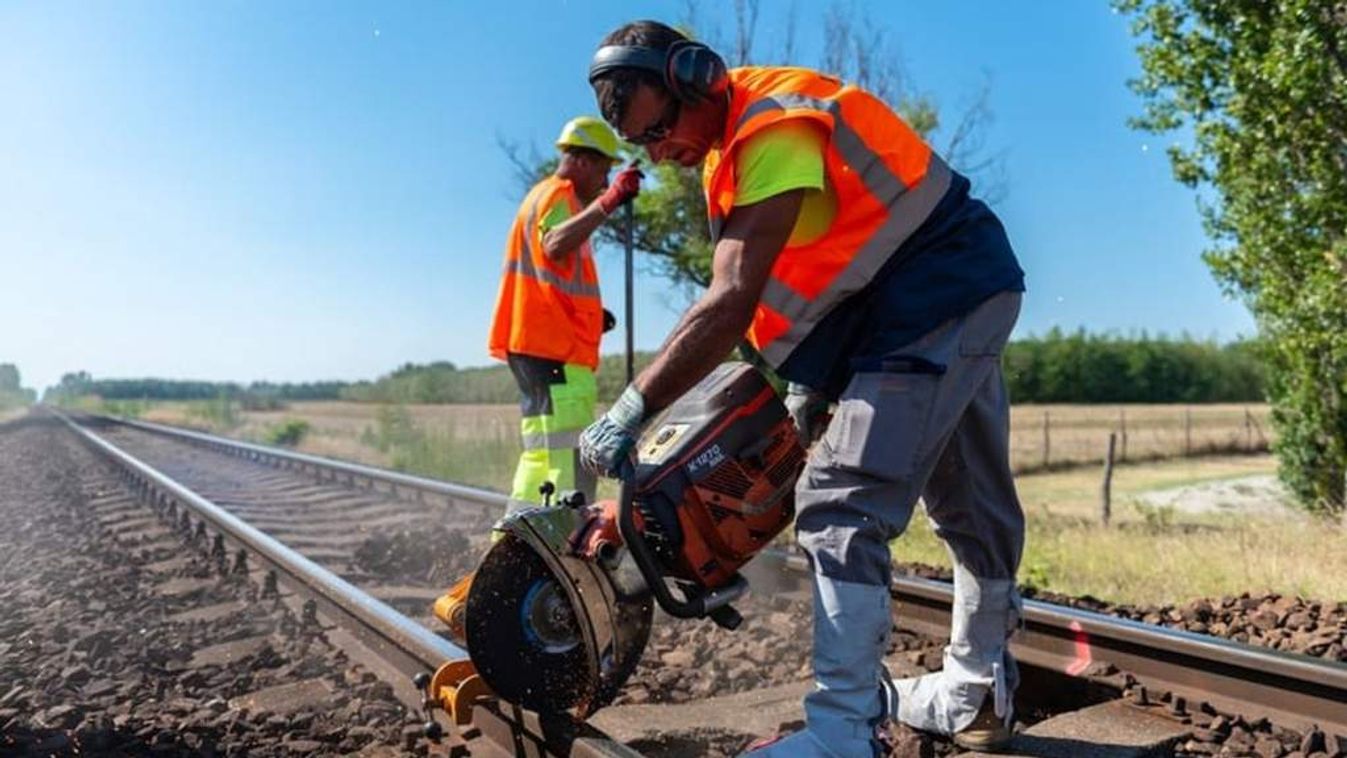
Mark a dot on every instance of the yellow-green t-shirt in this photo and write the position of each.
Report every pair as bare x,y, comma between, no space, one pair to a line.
783,157
559,212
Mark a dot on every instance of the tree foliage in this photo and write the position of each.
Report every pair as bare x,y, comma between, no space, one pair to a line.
1085,368
1261,86
255,395
1055,368
442,382
12,391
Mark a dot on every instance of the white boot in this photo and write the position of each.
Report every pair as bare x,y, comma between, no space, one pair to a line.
977,661
851,631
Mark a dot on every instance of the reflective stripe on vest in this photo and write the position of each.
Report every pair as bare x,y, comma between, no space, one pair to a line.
907,209
904,217
553,440
544,308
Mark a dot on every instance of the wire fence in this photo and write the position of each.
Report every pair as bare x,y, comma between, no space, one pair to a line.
1044,437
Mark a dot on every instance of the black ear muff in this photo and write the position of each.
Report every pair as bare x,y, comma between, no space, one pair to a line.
610,57
694,72
690,70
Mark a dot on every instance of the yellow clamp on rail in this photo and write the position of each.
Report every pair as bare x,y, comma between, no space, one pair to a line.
451,606
456,687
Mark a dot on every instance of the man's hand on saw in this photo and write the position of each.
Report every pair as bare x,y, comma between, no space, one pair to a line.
810,411
606,445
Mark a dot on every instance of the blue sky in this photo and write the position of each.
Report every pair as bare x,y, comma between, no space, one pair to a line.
297,191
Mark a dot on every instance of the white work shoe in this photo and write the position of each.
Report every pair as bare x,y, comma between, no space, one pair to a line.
977,668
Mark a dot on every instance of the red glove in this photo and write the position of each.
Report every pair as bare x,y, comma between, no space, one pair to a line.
625,186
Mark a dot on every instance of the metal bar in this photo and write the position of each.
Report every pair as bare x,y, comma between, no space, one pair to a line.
405,644
1294,691
459,491
373,620
629,279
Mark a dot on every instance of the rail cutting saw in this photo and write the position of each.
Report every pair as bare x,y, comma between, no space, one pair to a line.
560,607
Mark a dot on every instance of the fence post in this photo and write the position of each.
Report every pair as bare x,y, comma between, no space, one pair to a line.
1106,504
1047,439
1122,430
1187,432
1248,430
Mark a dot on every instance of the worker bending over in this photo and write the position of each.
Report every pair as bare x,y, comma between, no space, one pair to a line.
856,262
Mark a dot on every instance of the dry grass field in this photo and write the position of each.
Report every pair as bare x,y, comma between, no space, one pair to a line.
1074,433
1182,527
1079,433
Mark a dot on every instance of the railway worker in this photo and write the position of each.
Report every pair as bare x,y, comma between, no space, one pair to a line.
858,264
549,318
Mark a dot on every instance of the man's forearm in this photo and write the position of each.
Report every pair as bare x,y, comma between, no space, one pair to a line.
740,267
704,337
572,233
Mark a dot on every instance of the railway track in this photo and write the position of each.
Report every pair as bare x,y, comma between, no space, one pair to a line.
405,648
1189,679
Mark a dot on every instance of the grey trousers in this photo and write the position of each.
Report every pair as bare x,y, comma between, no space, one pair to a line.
933,422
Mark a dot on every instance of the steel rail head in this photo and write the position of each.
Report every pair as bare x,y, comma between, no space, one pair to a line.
414,639
420,483
405,643
1292,690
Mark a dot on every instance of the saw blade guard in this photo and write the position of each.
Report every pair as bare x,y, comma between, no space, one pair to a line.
548,631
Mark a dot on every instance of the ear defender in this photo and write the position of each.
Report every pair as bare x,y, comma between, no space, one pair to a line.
690,70
694,73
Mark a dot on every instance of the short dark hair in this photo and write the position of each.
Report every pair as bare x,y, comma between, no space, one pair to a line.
614,89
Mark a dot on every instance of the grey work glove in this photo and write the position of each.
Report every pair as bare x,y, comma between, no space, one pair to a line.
606,445
809,409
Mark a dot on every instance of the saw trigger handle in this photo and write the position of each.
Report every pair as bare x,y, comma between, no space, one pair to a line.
715,603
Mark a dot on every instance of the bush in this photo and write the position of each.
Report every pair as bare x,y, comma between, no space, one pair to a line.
218,414
288,433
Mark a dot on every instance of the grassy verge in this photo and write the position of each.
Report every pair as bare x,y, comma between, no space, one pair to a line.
1156,555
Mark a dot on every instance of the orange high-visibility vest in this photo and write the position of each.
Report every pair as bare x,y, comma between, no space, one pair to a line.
546,308
885,177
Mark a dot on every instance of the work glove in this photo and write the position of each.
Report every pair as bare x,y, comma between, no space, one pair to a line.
625,186
606,445
609,321
809,409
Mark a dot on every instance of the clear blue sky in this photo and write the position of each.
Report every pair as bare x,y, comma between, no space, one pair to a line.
298,191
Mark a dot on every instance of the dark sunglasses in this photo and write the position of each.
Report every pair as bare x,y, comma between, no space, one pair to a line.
660,129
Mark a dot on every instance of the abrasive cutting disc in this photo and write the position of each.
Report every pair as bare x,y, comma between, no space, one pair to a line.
522,632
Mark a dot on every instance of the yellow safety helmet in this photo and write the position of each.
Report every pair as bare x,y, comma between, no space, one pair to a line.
589,132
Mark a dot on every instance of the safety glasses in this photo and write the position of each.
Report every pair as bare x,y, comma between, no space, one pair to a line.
660,129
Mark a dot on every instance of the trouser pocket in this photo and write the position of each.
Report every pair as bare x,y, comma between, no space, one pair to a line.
882,418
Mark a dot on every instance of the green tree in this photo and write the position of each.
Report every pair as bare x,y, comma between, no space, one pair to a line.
1261,87
9,378
12,391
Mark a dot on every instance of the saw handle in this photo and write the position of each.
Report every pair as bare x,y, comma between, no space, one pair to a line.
715,603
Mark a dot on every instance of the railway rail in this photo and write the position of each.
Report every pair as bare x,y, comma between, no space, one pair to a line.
402,644
1185,671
